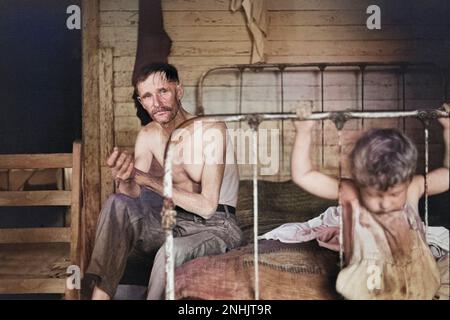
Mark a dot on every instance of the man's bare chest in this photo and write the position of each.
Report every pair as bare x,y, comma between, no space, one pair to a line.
186,166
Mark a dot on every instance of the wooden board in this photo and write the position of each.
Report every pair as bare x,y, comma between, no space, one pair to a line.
34,235
91,132
107,119
35,198
33,268
36,161
26,286
76,249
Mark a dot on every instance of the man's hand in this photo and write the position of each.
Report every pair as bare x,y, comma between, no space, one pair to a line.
121,165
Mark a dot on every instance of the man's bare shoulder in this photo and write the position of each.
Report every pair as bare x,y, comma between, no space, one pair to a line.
151,132
215,125
151,128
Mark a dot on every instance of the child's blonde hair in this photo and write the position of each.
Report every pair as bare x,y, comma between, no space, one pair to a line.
383,158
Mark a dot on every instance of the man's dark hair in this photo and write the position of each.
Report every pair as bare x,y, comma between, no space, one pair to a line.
166,69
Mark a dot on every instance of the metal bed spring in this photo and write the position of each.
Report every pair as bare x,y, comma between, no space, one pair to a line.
338,117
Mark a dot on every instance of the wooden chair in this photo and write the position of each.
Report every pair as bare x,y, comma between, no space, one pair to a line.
35,260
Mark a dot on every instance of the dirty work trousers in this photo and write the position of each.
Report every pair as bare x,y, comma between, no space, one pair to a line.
132,226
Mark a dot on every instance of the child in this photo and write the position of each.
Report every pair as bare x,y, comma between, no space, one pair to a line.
384,241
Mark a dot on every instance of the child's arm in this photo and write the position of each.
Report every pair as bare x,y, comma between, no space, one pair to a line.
438,180
303,173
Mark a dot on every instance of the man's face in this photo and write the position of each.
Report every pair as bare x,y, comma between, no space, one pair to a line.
160,98
379,202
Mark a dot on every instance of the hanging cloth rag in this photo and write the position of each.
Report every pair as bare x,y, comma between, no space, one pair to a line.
153,44
255,13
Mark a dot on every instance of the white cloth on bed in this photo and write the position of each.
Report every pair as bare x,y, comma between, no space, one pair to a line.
296,232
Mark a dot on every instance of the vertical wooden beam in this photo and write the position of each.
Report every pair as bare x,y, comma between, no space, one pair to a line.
75,216
106,119
91,130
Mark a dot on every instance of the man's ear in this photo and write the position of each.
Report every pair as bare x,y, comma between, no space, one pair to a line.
180,91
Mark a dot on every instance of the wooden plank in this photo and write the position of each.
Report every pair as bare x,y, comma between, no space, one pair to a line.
301,17
121,79
107,118
319,49
193,48
91,136
34,235
34,260
176,18
127,63
337,33
24,286
394,57
119,18
204,18
127,123
36,161
109,36
122,109
75,210
122,49
178,5
119,5
343,4
194,5
106,103
126,138
350,18
35,198
212,49
123,94
206,33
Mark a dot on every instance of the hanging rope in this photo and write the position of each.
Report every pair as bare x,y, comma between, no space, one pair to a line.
168,223
339,120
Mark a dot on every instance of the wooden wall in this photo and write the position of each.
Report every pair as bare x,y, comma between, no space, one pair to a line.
205,34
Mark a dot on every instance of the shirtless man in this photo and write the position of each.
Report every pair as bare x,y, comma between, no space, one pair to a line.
204,191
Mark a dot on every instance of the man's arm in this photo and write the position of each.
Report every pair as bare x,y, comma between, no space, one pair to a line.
203,203
302,171
123,165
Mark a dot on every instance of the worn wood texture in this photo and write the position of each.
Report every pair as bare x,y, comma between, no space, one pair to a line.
35,267
35,235
106,119
76,206
36,161
31,256
91,130
35,198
